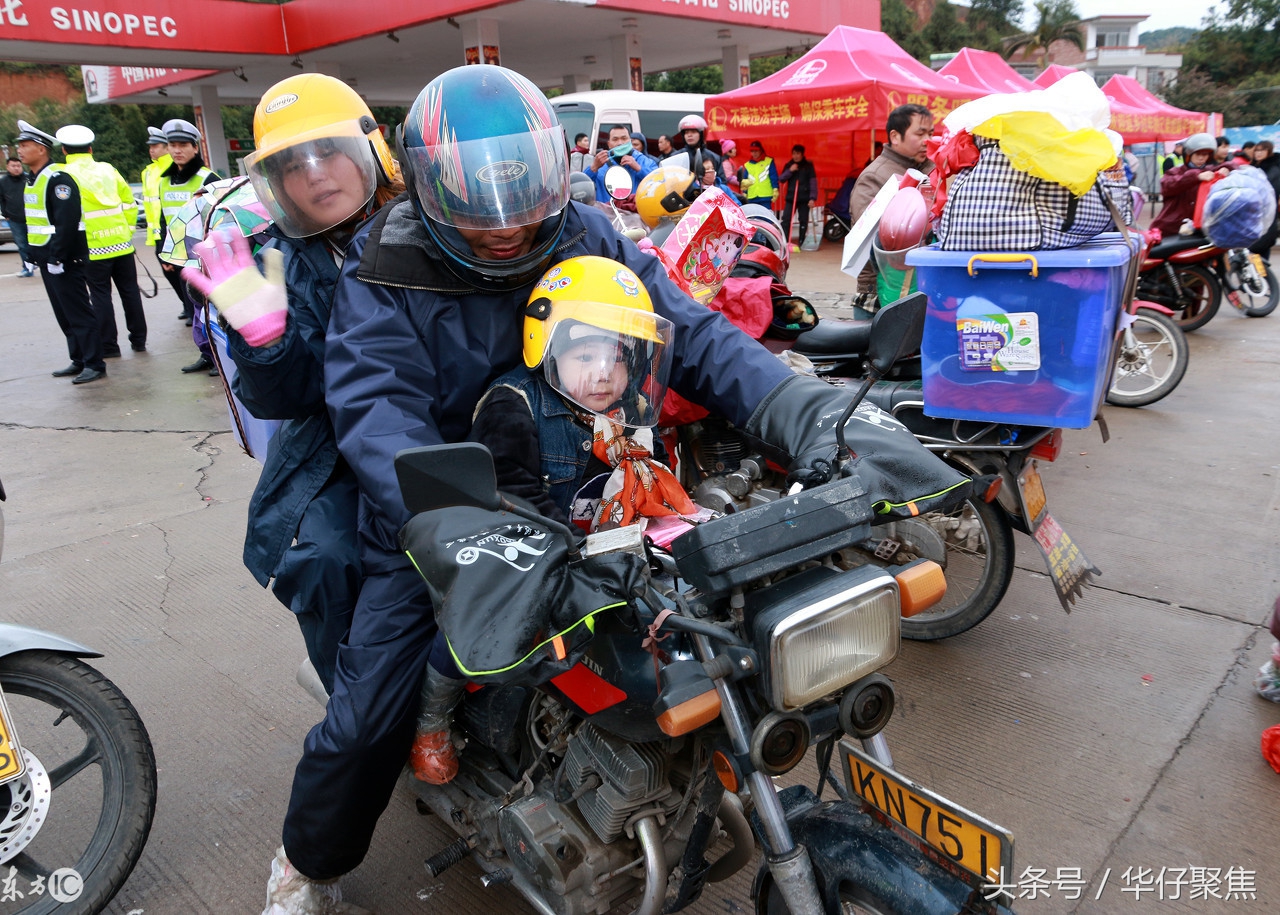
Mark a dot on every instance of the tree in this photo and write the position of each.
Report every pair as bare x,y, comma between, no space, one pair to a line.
1195,91
1056,20
945,32
899,22
707,80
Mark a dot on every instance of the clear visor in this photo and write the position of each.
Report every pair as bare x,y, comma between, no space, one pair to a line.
319,181
616,366
493,183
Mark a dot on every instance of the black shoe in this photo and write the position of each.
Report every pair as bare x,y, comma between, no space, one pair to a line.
138,347
70,370
89,375
189,321
213,372
183,316
111,353
198,366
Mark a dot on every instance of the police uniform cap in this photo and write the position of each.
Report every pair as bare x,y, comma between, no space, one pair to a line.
156,136
176,130
27,132
74,135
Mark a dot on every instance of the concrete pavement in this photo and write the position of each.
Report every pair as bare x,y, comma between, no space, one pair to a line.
1114,742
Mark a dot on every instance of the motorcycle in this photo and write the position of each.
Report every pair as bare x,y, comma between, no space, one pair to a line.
1188,274
77,775
617,777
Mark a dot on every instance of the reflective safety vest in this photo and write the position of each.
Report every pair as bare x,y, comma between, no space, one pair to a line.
151,196
758,172
174,197
107,210
39,228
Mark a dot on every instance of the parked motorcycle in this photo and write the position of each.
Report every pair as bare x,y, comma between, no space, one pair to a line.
1151,356
616,777
1188,274
77,775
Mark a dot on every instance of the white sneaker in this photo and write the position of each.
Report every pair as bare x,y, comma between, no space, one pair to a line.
291,893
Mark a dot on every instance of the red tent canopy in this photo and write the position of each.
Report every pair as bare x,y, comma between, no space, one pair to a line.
1151,119
986,69
1051,75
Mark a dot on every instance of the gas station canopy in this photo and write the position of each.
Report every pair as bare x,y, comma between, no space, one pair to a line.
389,51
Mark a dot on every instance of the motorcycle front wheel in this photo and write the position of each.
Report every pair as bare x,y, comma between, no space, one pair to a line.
1261,304
833,230
88,797
1150,361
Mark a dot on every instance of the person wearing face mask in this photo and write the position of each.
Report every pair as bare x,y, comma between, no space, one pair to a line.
320,167
620,151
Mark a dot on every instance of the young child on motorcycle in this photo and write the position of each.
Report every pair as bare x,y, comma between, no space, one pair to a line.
578,415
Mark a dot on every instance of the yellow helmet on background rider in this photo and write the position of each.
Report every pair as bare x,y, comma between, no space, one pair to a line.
592,298
303,119
665,193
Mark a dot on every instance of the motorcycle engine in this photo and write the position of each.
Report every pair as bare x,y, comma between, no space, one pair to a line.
627,777
568,854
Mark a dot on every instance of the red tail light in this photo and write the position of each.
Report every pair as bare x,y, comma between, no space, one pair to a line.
1049,447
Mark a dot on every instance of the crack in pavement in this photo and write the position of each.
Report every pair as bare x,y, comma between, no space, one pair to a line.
164,573
211,451
26,428
1237,665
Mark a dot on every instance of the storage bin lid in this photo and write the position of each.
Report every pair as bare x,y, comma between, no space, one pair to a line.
1105,250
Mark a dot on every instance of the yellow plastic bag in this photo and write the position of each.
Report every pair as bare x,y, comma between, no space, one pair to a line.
1038,144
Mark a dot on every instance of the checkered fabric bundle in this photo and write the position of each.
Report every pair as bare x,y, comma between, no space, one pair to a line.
995,207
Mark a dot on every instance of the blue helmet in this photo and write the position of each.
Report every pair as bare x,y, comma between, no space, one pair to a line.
481,149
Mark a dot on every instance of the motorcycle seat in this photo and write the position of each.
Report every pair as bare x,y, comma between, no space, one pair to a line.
1171,246
834,337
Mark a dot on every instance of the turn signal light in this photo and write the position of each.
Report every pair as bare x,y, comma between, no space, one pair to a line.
920,585
1049,447
690,714
726,771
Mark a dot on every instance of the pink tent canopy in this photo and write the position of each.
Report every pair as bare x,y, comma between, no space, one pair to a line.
1051,75
986,69
848,81
1159,119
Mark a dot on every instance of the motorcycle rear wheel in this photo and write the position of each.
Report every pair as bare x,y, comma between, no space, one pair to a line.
1201,296
79,730
1153,366
977,556
833,231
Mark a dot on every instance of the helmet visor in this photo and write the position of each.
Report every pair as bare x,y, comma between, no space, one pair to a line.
611,361
493,182
321,180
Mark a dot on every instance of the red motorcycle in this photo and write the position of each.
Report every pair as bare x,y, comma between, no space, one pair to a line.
1189,275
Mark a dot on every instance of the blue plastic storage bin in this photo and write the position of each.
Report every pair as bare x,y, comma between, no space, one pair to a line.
1020,338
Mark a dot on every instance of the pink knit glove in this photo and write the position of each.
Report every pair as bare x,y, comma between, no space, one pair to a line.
252,303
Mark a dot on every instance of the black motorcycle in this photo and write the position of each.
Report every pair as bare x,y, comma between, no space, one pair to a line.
664,691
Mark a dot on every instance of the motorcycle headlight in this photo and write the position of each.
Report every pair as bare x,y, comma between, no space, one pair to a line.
826,632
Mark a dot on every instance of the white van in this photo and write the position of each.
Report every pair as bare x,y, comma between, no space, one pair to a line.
651,113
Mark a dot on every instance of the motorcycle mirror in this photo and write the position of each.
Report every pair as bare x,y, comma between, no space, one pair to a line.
896,331
443,476
617,181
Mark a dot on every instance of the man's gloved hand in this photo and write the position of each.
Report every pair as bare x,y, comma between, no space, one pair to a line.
902,477
253,304
799,416
55,268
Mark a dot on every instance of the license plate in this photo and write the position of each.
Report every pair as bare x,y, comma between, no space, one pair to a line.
976,845
1031,489
11,762
1259,264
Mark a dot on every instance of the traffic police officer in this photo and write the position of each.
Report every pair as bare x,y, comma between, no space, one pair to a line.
109,214
185,175
58,248
158,148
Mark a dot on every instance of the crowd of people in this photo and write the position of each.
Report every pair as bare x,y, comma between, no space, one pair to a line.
74,221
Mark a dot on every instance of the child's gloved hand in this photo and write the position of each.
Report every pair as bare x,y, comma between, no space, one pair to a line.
252,303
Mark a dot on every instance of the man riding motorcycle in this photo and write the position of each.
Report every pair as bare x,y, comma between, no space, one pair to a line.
427,313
